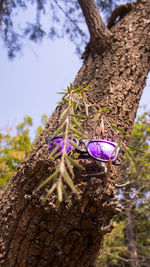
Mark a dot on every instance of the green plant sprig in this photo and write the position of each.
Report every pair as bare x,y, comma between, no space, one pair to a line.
72,128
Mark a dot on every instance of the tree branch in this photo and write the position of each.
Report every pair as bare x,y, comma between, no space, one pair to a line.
108,228
99,33
122,185
118,257
119,11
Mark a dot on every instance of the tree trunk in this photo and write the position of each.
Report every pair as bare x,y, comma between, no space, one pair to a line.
34,233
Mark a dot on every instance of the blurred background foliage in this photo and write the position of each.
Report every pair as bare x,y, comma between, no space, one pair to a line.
15,147
133,223
34,20
135,197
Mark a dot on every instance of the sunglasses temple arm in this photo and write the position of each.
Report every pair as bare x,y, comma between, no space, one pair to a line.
83,155
47,139
81,151
116,162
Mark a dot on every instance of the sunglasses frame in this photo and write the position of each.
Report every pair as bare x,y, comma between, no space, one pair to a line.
85,150
87,142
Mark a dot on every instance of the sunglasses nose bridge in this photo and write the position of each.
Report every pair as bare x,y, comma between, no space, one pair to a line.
81,143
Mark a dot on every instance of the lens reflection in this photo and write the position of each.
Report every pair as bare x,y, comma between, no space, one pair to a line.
102,150
58,142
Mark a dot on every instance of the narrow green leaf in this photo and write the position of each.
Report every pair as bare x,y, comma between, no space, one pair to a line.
50,191
86,108
130,155
62,93
76,132
69,89
59,190
72,104
54,151
119,144
135,149
78,116
66,195
76,123
77,90
69,166
65,100
57,155
63,114
74,144
126,135
87,86
69,181
106,109
75,163
145,162
52,176
58,130
64,128
118,129
77,104
114,150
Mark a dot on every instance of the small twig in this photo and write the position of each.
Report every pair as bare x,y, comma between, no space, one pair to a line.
62,162
108,228
108,171
123,259
101,128
122,185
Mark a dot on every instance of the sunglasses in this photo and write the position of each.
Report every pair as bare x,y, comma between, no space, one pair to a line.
101,150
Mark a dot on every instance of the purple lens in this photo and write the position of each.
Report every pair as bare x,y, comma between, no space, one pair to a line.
102,150
59,142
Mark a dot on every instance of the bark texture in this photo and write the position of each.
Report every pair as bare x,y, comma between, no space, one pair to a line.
37,234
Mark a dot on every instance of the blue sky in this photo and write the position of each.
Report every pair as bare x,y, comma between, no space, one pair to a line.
29,84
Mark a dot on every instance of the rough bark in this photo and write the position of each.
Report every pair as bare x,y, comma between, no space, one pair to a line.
37,234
